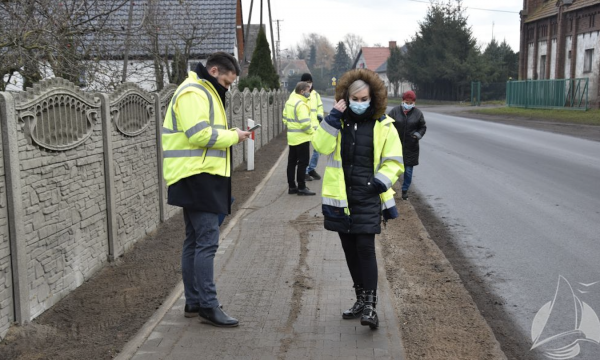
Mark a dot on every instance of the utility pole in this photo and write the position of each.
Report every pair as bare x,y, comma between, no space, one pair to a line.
278,45
275,53
248,29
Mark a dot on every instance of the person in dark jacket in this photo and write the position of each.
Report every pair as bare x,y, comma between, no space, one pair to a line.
364,160
410,123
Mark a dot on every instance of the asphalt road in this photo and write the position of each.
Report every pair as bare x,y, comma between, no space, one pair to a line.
524,208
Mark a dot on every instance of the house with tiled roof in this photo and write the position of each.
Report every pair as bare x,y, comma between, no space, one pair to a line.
560,39
143,31
375,58
290,68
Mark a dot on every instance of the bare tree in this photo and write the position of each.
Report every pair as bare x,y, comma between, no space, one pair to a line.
353,44
324,49
171,45
49,37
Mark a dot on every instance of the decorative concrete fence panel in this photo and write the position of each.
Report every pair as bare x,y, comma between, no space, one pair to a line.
134,148
236,119
6,290
81,182
61,226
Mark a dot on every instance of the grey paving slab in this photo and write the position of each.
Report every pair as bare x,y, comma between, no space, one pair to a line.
285,278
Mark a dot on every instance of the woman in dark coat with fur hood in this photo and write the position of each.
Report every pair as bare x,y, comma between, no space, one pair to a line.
364,160
410,123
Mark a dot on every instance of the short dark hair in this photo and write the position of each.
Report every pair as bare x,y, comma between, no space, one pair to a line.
224,62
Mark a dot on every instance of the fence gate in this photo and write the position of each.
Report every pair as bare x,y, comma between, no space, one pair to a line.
570,94
475,93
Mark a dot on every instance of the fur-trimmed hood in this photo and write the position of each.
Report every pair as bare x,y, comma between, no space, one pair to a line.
376,85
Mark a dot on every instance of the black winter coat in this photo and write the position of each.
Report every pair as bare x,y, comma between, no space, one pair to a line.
364,202
411,128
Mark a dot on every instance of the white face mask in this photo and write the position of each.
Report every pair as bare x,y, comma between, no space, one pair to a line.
407,107
359,108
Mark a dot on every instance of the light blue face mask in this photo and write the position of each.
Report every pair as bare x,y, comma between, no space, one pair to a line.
359,108
408,107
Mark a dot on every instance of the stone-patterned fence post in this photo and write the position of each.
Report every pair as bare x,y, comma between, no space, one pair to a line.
14,295
161,102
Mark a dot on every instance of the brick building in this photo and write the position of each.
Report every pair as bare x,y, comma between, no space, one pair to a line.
560,39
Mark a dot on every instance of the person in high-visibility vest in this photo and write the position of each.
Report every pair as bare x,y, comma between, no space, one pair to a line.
316,115
296,117
364,160
197,165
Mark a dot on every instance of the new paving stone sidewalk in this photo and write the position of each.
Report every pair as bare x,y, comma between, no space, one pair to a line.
285,278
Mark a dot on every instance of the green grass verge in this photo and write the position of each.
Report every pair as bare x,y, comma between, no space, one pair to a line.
590,117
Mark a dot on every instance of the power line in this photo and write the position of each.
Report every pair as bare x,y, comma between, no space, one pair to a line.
472,8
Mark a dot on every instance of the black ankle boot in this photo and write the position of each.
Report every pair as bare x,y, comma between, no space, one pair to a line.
357,308
369,315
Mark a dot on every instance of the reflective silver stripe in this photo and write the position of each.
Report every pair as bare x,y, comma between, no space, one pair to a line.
313,110
297,130
182,153
321,105
196,129
384,179
331,162
197,86
296,109
388,204
334,202
330,129
216,153
220,127
297,121
396,158
169,131
213,138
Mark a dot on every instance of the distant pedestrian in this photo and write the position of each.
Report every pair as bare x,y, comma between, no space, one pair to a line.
410,123
197,168
364,160
296,116
316,115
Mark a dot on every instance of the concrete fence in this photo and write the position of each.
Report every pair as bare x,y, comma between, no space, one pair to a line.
81,182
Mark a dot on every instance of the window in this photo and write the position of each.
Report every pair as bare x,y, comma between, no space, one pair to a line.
569,55
588,58
542,74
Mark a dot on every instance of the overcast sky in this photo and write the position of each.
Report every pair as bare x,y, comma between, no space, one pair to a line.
379,21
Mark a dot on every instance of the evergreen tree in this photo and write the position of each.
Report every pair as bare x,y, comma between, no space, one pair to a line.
501,64
261,64
394,68
442,59
313,57
341,61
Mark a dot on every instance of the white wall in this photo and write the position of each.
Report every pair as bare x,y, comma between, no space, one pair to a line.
589,41
542,51
553,60
530,61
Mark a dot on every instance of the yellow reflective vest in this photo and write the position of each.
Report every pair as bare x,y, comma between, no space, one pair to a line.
316,109
387,167
195,136
296,116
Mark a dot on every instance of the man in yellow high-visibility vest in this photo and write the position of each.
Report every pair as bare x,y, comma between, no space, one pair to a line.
316,115
197,166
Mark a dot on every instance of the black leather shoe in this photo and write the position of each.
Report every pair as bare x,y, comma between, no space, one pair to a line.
191,311
293,190
308,178
315,175
306,191
404,195
217,317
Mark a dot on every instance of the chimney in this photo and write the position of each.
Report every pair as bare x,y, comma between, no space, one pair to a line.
392,44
